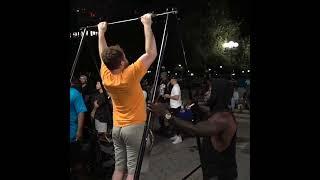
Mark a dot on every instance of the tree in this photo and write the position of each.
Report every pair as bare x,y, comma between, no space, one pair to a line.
220,33
208,30
244,53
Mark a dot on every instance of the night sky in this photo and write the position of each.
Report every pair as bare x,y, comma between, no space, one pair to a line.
130,35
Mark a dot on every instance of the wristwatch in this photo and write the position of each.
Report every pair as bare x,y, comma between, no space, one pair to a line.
168,115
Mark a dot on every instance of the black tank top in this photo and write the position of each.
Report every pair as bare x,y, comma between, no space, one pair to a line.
215,163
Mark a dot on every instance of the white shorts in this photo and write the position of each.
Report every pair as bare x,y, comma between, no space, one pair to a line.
101,127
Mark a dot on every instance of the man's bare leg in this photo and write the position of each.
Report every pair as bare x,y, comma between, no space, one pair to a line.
117,175
130,176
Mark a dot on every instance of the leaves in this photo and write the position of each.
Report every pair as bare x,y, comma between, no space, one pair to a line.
206,34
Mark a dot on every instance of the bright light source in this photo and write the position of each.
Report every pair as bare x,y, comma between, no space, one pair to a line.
188,71
77,10
248,70
91,33
225,45
191,74
179,65
176,73
216,74
221,67
233,74
209,69
149,71
230,44
168,71
242,71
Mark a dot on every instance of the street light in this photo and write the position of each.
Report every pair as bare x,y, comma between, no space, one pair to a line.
248,70
191,74
179,65
230,45
220,67
242,71
209,69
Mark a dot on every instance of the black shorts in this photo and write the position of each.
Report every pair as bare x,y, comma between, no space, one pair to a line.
175,111
75,153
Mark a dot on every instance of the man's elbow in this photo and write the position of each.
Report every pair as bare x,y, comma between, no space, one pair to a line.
152,54
155,53
81,116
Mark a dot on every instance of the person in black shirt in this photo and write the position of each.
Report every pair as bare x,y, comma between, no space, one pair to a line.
163,89
218,128
85,88
101,112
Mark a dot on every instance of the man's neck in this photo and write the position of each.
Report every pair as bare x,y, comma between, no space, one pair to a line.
116,71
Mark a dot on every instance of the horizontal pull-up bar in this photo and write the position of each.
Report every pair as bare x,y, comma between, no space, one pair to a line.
134,19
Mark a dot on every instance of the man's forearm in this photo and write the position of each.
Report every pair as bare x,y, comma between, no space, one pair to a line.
150,42
175,97
93,112
102,43
199,129
80,122
184,125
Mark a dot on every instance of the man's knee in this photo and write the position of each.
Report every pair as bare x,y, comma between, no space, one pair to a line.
118,174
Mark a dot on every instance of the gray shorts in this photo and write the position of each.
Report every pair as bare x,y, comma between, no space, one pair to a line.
126,141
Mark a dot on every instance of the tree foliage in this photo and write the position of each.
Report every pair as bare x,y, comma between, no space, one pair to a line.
207,34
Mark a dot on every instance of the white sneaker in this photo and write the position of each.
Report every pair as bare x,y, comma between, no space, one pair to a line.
178,140
174,138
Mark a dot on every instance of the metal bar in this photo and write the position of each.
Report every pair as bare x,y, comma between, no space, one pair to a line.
134,19
191,172
77,55
147,124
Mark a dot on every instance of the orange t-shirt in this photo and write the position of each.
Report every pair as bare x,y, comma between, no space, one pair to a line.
129,106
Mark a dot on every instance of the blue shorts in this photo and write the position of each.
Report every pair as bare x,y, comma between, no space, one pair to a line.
185,115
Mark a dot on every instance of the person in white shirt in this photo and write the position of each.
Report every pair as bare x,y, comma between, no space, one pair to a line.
248,82
163,89
234,99
175,106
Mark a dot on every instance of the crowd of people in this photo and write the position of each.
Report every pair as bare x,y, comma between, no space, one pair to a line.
117,110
